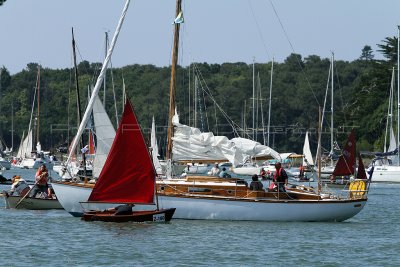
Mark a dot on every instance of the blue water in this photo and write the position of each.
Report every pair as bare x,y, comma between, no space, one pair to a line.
55,238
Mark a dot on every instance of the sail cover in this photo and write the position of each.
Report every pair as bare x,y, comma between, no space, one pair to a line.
128,175
347,161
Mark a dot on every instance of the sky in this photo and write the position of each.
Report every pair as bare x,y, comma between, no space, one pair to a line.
215,31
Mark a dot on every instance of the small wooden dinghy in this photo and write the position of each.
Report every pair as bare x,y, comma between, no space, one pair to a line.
128,177
164,215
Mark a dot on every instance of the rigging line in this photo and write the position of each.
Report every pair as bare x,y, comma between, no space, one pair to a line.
226,116
258,29
291,45
340,93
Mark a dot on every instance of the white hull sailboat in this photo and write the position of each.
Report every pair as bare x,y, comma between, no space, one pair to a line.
203,206
215,198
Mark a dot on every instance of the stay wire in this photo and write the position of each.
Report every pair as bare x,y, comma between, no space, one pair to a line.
291,45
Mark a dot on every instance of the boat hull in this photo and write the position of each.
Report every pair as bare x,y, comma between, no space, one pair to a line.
256,210
164,215
214,208
31,203
386,174
73,198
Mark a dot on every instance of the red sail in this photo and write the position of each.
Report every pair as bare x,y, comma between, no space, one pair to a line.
347,161
361,169
128,175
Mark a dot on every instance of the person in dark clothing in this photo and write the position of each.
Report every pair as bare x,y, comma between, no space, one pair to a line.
281,178
125,209
255,184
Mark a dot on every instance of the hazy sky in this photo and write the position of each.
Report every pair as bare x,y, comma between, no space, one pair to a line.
215,31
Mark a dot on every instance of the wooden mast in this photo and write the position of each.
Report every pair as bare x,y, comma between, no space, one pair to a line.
173,82
78,99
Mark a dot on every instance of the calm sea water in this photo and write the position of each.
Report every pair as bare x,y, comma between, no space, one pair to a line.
55,238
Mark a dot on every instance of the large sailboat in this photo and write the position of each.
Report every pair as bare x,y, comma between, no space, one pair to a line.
213,198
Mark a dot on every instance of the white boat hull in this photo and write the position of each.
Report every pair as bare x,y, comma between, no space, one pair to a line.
235,210
203,208
386,174
31,203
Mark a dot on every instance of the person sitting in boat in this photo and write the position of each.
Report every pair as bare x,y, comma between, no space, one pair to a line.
332,178
215,170
41,179
125,209
19,186
255,184
280,177
301,171
224,174
263,174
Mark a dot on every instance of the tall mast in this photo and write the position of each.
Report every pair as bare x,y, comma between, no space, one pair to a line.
99,81
38,104
12,127
253,99
78,99
173,82
270,101
398,93
332,109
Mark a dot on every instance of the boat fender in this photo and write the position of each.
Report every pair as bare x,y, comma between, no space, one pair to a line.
357,188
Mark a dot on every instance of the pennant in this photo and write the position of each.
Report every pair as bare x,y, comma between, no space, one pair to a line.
179,19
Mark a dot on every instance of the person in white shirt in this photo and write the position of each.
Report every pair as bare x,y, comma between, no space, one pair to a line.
215,170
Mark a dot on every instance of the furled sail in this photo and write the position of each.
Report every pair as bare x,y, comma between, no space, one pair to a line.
190,144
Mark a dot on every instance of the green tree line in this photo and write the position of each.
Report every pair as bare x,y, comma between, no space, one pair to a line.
361,96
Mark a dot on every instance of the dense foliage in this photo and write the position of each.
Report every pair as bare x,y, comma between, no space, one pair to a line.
361,93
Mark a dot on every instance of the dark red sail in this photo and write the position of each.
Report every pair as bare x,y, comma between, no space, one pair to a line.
347,161
128,175
361,174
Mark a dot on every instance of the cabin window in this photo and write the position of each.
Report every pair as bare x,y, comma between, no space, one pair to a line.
198,190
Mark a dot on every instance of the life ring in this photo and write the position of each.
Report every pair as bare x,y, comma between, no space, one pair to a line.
357,188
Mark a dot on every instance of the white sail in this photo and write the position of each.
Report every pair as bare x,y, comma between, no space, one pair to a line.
190,143
105,134
154,148
392,147
308,159
98,84
20,149
26,146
